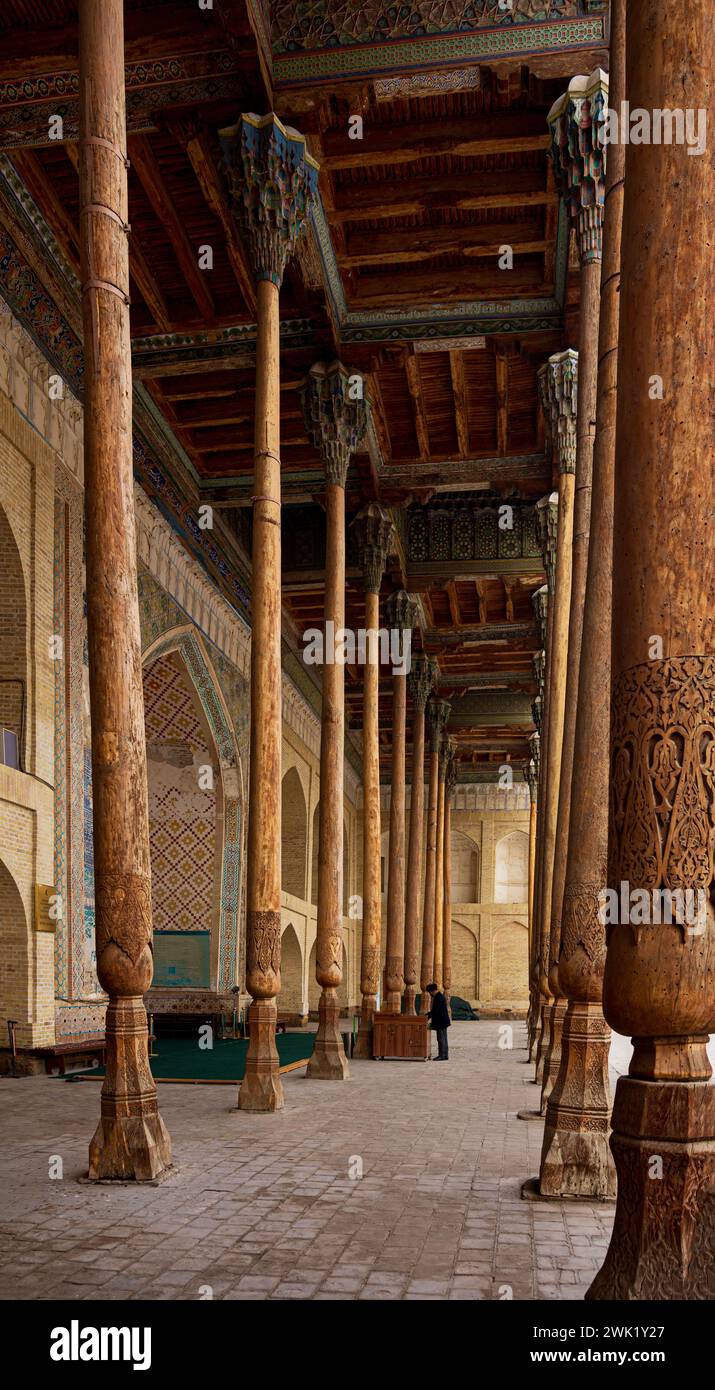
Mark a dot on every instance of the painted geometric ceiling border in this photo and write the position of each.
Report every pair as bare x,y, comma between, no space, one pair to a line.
531,39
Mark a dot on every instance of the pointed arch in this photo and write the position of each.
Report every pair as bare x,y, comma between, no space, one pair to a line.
466,869
510,962
511,868
15,983
13,646
290,999
215,721
294,835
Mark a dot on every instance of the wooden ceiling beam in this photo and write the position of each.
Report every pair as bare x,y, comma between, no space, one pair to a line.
459,393
414,143
151,179
502,374
454,609
379,291
197,145
143,277
420,419
398,248
397,197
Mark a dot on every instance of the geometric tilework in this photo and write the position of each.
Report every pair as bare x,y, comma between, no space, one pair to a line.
310,24
182,812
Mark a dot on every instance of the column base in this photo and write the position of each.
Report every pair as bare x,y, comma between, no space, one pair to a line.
576,1158
131,1142
425,1002
328,1061
410,996
664,1230
363,1042
261,1088
552,1059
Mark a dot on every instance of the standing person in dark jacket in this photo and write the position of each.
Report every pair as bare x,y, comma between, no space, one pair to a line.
440,1021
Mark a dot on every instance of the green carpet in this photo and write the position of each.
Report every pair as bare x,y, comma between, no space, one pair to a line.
181,1059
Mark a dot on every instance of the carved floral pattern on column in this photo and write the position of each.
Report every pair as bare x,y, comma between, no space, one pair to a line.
373,531
335,418
422,678
558,391
663,775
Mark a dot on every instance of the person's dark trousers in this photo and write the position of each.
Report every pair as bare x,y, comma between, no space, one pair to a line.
442,1045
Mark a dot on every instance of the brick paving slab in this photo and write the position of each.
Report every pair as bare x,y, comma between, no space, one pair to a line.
263,1206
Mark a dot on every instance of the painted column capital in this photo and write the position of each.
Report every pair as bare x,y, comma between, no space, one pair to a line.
577,122
336,418
531,779
373,532
558,392
401,611
438,712
540,604
422,679
273,182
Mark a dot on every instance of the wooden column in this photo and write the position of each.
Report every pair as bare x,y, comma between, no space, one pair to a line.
130,1141
437,973
422,678
336,419
400,612
273,182
558,385
537,1000
438,712
373,533
576,1160
531,779
578,156
449,785
659,983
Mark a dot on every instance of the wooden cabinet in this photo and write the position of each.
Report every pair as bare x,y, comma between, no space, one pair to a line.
400,1035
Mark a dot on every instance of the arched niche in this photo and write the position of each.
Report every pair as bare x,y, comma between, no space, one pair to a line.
212,734
510,962
14,954
290,999
465,962
294,835
511,872
13,649
465,869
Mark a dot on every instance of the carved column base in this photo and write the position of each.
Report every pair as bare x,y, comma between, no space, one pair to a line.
130,1142
393,1002
410,996
261,1088
328,1062
425,1002
663,1236
363,1043
543,1041
552,1060
575,1158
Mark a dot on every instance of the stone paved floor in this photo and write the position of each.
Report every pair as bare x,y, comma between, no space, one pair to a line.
263,1206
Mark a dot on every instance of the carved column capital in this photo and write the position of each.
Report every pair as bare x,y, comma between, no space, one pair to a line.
422,679
336,418
273,181
535,762
537,711
401,611
558,392
540,604
438,712
547,524
373,533
577,122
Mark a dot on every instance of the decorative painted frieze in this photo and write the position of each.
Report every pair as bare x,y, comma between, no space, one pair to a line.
472,532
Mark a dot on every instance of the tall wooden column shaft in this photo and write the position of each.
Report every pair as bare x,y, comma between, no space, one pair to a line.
531,779
130,1141
543,606
274,181
576,1160
449,785
373,530
439,871
579,156
659,982
438,712
400,612
336,418
558,382
421,680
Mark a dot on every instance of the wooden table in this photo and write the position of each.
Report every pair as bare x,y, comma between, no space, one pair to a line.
400,1035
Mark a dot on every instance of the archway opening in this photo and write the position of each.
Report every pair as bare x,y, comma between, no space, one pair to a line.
465,869
13,649
290,999
512,868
